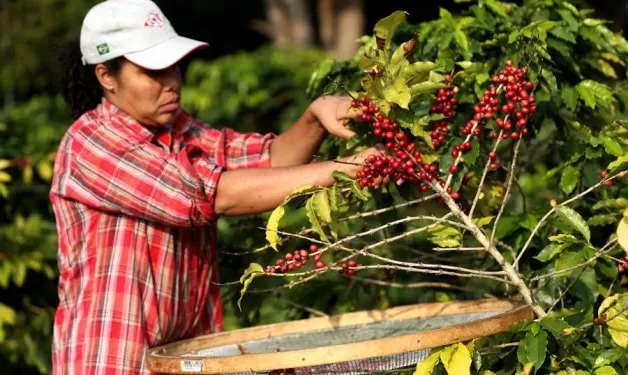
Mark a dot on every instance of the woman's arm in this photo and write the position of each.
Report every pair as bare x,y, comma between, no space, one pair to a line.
298,144
253,191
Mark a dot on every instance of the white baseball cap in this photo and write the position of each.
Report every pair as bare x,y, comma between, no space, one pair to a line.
135,29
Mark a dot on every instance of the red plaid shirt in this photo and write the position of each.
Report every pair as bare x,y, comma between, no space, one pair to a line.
137,232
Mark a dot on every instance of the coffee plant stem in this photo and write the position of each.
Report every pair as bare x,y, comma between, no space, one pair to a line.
483,178
508,188
610,246
551,211
458,249
364,252
564,292
481,237
417,285
302,307
391,224
388,209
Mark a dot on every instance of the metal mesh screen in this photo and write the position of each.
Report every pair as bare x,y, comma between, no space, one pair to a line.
346,335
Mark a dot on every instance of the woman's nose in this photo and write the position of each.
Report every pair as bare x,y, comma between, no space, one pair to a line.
171,78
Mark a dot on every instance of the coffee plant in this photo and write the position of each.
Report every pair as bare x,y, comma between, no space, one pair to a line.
502,175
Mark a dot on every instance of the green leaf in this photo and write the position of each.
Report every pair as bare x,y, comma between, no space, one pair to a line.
618,326
456,361
550,251
341,176
418,71
568,260
465,64
605,370
612,146
550,79
384,28
601,220
359,192
4,177
461,40
7,315
608,356
272,226
44,169
398,93
446,16
424,87
426,366
573,219
555,325
311,212
250,273
601,93
497,7
320,202
563,33
482,221
617,163
569,179
586,95
445,236
532,349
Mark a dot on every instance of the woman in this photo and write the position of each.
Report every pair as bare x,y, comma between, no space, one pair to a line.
138,185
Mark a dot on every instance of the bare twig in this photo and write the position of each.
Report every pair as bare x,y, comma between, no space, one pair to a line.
348,218
487,167
605,250
364,252
306,308
511,178
513,275
550,212
564,292
459,249
424,284
494,348
387,209
614,316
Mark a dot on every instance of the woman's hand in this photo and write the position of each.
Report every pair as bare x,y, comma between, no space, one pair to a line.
332,113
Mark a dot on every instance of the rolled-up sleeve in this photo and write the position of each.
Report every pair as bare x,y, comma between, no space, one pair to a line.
235,150
109,172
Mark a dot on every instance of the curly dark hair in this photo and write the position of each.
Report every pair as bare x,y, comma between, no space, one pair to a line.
77,82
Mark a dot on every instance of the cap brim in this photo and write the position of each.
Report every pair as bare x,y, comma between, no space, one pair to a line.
166,54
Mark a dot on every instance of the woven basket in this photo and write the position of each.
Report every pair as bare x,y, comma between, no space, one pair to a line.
352,343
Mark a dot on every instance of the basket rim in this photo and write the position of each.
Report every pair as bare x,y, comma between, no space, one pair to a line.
169,358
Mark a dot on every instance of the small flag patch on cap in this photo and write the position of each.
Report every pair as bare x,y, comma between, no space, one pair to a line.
102,48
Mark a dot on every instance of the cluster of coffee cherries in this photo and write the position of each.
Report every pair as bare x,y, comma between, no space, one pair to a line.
349,268
622,267
445,104
282,372
520,103
384,166
603,175
511,116
405,162
297,259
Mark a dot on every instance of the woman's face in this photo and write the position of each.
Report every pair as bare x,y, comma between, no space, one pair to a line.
149,96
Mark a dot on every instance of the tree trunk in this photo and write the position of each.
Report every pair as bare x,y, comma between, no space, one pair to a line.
300,22
349,23
290,22
278,23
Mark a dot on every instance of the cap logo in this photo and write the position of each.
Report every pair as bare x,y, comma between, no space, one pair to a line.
154,20
102,49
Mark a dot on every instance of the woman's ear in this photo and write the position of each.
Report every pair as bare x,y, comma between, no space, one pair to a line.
105,78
